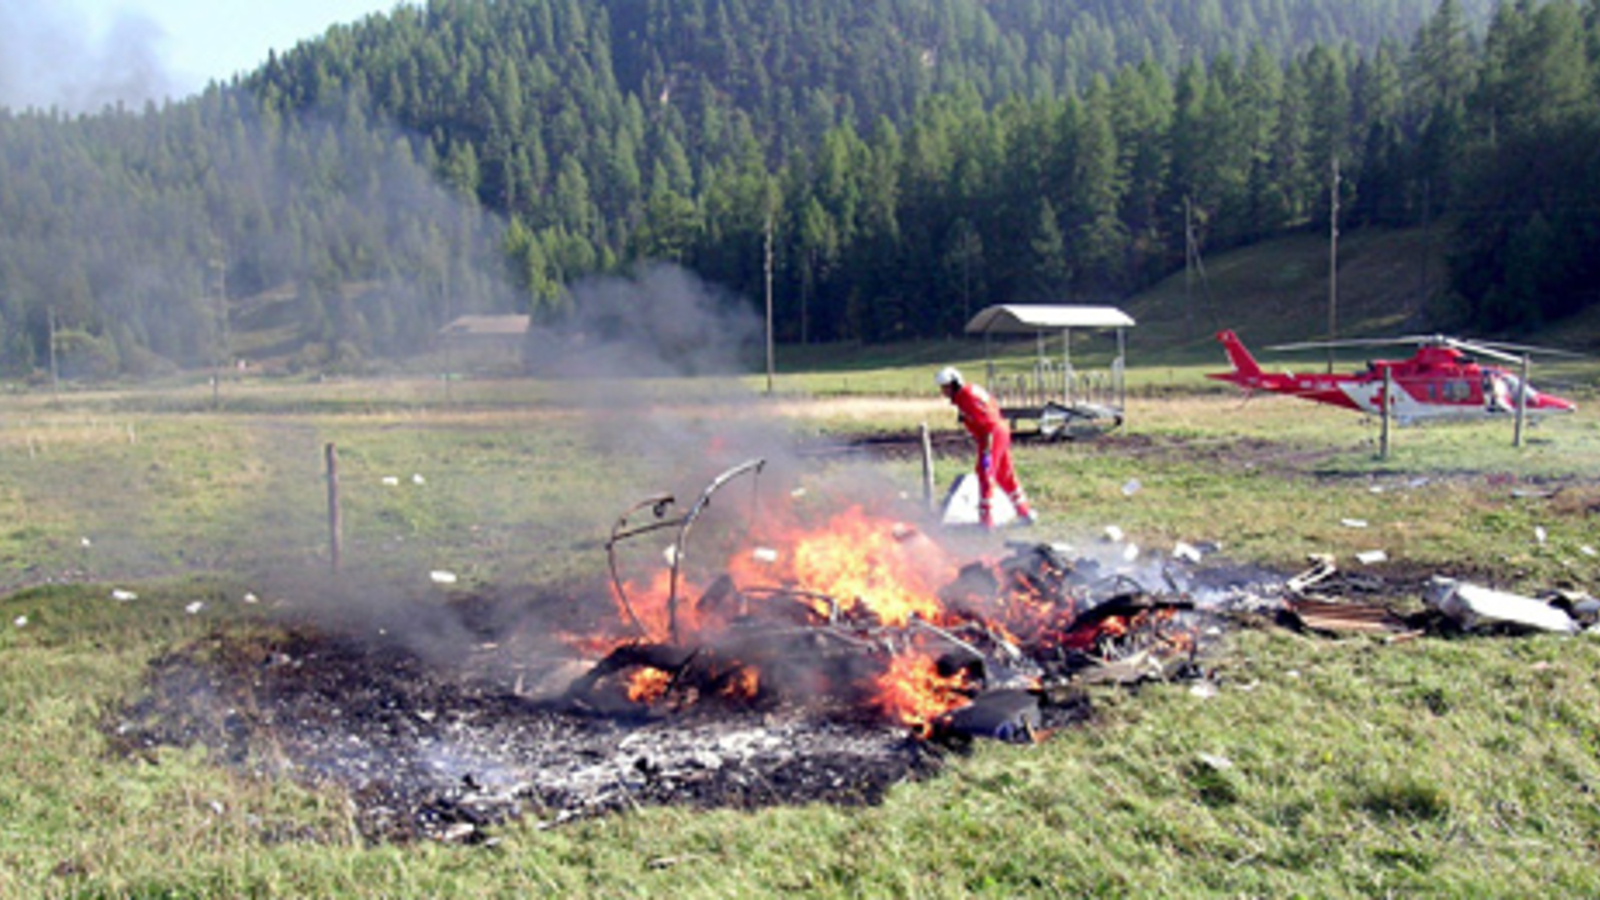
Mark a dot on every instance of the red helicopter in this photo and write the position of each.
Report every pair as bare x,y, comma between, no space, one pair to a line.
1440,381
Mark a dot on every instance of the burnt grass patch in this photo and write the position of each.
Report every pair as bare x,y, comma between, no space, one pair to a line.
430,750
445,745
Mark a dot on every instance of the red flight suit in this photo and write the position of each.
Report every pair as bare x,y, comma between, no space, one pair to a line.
981,416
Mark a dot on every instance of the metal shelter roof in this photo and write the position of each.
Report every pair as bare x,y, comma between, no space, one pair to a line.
486,326
1013,318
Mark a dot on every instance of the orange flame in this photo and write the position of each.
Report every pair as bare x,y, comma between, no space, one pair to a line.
865,563
913,692
647,685
745,685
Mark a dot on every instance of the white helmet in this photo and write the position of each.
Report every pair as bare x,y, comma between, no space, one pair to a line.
947,376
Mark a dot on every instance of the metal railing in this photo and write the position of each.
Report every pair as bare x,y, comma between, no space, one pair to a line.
1050,381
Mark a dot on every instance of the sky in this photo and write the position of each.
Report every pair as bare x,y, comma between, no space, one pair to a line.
82,55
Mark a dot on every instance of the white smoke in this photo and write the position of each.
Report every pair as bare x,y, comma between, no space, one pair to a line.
51,59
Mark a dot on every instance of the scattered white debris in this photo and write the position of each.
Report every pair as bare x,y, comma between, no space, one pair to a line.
798,492
418,479
1130,553
217,807
1376,489
764,555
1131,487
1353,523
440,576
123,596
1587,550
671,554
391,481
1205,690
251,598
1114,534
194,608
1471,604
1293,673
1539,534
1186,552
20,621
1368,557
1417,482
85,541
1216,761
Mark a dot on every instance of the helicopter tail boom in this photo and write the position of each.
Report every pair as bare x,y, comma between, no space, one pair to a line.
1246,371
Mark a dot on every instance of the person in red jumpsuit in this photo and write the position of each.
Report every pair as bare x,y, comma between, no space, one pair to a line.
981,416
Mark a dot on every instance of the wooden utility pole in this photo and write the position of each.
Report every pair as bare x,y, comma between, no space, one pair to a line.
222,351
449,309
1188,267
768,268
1333,262
55,372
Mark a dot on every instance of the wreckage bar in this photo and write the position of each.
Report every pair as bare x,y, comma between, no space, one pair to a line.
659,505
935,630
754,466
797,595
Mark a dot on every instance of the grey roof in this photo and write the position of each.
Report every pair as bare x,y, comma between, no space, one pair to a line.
1019,318
486,325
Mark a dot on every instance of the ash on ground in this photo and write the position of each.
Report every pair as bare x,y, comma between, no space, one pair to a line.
425,752
444,748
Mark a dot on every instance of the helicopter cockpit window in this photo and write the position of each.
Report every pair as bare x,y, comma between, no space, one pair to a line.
1457,390
1498,389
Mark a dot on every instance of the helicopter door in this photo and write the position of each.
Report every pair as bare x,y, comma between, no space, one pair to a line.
1497,391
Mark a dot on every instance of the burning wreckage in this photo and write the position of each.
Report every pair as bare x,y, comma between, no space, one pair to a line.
868,619
817,664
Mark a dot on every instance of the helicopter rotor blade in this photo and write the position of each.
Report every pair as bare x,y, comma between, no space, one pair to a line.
1527,349
1483,350
1352,342
1500,350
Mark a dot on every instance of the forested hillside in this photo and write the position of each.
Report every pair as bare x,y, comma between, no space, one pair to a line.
907,159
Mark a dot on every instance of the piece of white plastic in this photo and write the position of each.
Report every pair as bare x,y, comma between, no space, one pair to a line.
1472,604
961,503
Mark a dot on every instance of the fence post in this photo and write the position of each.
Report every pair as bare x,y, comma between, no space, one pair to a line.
331,453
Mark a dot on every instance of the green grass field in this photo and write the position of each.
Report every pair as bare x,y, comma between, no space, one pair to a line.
139,521
1461,766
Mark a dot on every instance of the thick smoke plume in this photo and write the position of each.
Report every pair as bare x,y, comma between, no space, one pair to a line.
49,61
663,321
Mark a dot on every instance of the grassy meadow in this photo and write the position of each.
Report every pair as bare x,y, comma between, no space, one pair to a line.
1464,766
